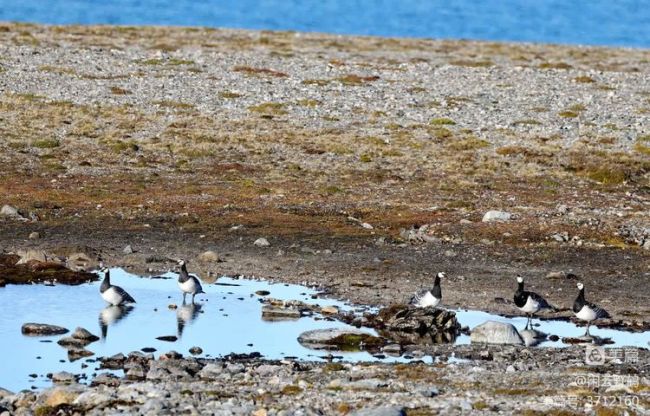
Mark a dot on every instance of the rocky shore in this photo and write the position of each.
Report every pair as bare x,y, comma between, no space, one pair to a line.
500,380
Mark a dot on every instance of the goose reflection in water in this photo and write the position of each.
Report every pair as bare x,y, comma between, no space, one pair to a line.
186,314
111,315
532,337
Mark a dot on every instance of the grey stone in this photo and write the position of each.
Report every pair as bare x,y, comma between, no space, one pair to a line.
106,379
63,377
34,235
411,319
497,216
93,398
561,237
28,255
84,334
11,212
262,242
136,372
80,261
158,373
430,392
4,393
267,370
270,312
152,407
367,384
72,342
128,249
32,328
493,332
381,411
235,368
556,275
211,371
75,353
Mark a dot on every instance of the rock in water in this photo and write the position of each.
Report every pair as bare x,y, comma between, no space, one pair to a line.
494,216
276,313
493,332
407,324
84,334
31,328
168,338
340,339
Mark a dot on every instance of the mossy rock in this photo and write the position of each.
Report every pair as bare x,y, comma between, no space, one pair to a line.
340,340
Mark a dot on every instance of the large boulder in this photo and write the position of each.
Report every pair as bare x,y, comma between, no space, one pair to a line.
409,318
408,324
493,332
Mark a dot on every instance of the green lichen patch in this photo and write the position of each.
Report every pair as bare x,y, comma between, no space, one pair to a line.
120,91
357,342
46,143
252,71
472,63
352,79
442,121
229,95
270,108
584,79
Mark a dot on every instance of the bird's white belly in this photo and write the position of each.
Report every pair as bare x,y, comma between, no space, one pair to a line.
428,300
112,296
531,305
189,286
586,314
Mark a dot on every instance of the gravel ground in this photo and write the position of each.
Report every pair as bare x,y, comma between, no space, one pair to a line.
506,380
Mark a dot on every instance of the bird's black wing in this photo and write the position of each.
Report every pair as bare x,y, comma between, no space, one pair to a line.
126,298
417,296
543,304
198,284
600,312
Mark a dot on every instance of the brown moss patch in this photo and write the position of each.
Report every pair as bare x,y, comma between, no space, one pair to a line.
37,272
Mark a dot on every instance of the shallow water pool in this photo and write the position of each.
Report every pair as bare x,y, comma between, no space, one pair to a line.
228,319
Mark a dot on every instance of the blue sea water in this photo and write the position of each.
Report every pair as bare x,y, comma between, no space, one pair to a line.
591,22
